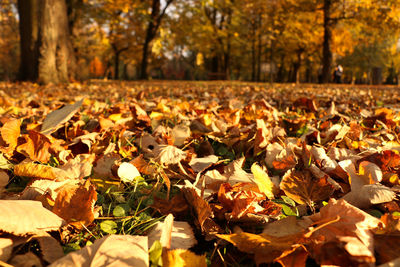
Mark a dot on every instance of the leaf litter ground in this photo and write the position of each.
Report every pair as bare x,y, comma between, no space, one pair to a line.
199,173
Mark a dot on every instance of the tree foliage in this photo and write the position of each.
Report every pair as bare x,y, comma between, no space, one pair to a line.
273,40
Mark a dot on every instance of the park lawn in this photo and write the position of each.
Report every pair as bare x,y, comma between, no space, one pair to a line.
252,173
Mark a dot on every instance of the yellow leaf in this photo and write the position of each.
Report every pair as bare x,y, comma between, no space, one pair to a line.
182,257
115,117
263,181
35,170
156,115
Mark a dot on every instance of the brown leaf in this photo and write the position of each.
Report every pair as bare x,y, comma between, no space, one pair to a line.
176,205
182,236
262,137
32,218
266,249
305,189
199,205
387,160
36,147
79,167
50,248
353,229
75,203
10,133
27,259
140,116
55,119
142,165
112,250
6,248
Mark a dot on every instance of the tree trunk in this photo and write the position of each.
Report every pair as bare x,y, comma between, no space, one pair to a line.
253,53
154,23
46,50
29,25
259,47
326,49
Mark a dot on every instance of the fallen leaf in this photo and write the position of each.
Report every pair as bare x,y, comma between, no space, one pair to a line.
127,172
35,170
55,119
112,250
75,203
263,181
170,155
304,189
6,248
368,195
27,259
353,223
36,147
179,134
181,257
182,236
32,218
10,133
50,248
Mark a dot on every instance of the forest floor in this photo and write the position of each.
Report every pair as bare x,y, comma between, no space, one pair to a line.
206,173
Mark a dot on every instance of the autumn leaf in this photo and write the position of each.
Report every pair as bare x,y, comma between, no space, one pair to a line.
31,218
36,147
35,170
304,189
353,230
10,133
75,203
181,257
267,249
387,160
112,249
55,119
263,181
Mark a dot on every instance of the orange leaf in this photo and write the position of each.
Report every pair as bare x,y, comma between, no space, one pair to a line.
10,133
36,147
266,248
75,203
304,189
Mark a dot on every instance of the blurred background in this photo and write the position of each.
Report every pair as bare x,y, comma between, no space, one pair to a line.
54,41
